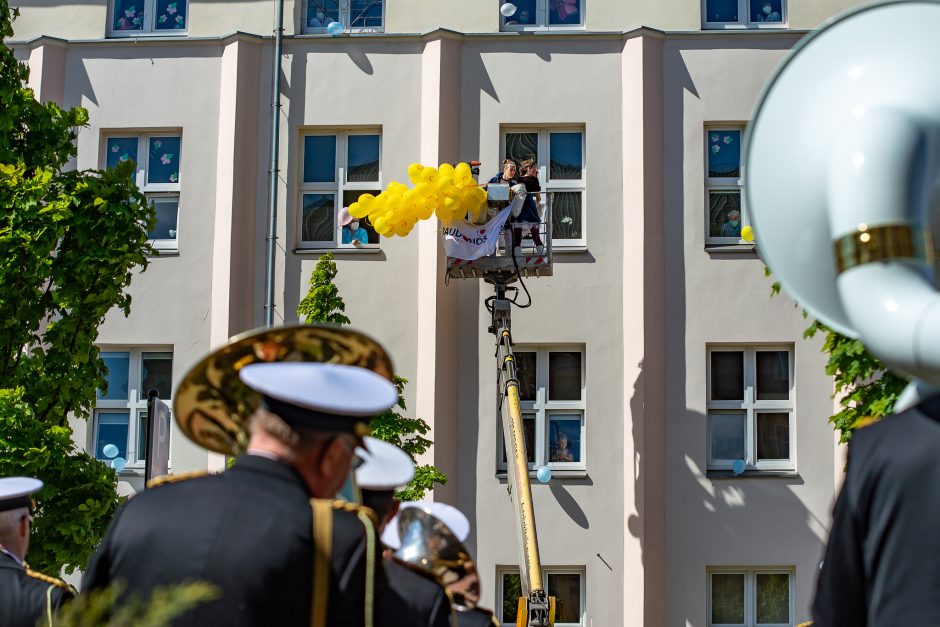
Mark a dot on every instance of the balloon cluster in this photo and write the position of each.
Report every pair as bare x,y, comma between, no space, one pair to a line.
448,192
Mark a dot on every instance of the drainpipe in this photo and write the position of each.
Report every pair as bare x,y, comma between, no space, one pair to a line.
273,172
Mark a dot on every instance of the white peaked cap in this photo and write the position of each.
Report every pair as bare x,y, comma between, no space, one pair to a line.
327,388
447,514
385,466
15,491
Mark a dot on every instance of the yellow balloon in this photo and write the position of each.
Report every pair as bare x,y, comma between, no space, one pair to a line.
357,211
380,224
446,169
462,170
414,172
397,188
478,193
747,234
429,175
426,211
424,189
465,180
444,183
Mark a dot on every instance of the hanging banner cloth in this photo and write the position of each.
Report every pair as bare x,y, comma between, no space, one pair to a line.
463,240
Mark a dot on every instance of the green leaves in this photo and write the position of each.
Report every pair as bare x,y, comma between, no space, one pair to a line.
323,302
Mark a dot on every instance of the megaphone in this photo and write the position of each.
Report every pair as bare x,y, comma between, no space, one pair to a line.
842,177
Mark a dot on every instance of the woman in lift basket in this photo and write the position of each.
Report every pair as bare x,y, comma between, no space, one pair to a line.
529,216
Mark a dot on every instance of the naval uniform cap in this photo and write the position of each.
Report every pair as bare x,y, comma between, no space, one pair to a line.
320,396
385,467
15,491
447,514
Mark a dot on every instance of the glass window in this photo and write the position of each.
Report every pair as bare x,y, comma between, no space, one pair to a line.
171,15
118,365
773,375
738,13
351,196
566,588
134,17
728,375
773,598
143,436
724,212
318,217
163,164
724,153
566,156
363,158
766,11
366,14
727,599
157,374
564,437
522,146
167,209
525,372
112,429
726,215
128,15
564,12
120,149
721,10
567,212
319,158
544,14
321,12
727,434
352,14
512,592
564,376
773,436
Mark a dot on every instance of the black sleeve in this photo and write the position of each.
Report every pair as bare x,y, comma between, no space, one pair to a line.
441,612
59,597
841,589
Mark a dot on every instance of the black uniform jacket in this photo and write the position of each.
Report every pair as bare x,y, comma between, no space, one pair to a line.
882,564
417,598
477,617
247,531
24,599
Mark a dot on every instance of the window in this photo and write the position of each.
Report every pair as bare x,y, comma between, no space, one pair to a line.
560,155
354,15
157,156
565,584
338,167
723,182
121,411
750,408
551,391
540,14
746,597
744,13
130,18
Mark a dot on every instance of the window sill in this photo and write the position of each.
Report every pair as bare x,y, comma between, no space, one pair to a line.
165,252
561,250
745,27
731,249
146,34
371,250
557,473
753,474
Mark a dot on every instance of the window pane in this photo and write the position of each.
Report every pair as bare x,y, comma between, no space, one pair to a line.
528,428
522,146
721,10
525,372
171,15
726,434
318,218
320,159
773,436
128,15
164,162
564,438
767,11
564,376
512,590
143,436
724,154
365,14
773,375
773,598
564,11
724,213
118,365
362,158
565,158
112,429
321,12
727,375
727,598
349,197
567,592
120,149
156,374
525,14
566,215
167,216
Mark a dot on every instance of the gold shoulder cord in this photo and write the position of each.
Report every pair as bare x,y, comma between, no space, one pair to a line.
366,519
322,556
49,605
165,479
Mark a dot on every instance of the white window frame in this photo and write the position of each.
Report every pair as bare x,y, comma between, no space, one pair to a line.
147,30
546,572
744,18
555,185
345,18
541,19
336,187
134,405
542,409
724,184
153,191
751,407
750,593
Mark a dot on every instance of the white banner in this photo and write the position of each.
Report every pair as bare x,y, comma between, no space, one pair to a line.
463,240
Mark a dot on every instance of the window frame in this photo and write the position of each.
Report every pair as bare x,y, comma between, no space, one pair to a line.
744,9
546,572
542,20
750,593
344,8
543,409
147,30
724,184
135,405
751,407
336,187
151,190
543,157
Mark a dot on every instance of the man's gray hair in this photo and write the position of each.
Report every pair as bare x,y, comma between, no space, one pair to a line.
275,426
10,523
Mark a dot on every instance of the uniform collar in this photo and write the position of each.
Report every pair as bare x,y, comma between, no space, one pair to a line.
4,552
274,469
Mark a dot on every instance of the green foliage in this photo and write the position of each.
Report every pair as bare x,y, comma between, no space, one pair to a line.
70,242
166,603
323,303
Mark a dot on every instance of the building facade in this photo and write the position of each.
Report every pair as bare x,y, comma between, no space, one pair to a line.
655,348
